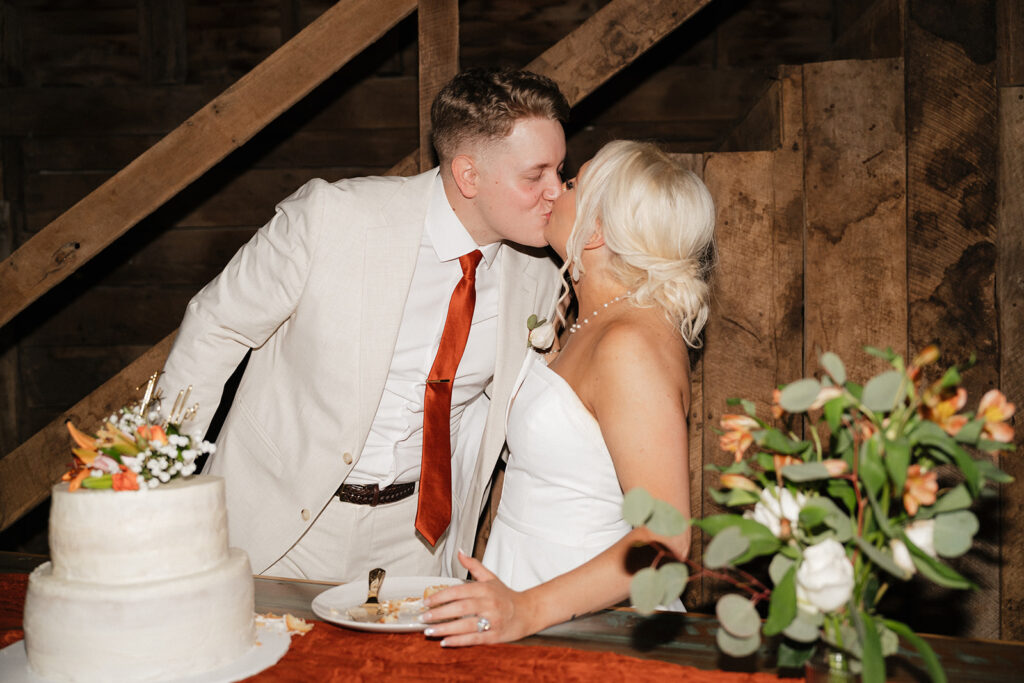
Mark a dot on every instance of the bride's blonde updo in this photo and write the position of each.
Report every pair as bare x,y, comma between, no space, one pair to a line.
657,220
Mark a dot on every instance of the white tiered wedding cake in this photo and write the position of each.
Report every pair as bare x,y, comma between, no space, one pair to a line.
141,586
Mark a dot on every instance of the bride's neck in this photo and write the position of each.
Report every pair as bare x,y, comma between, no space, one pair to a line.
594,291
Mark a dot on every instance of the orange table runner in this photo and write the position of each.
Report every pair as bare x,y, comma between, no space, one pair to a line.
330,653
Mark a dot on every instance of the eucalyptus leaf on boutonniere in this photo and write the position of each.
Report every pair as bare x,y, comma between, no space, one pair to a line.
540,333
843,514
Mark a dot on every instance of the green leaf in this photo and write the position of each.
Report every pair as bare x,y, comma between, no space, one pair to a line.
834,413
808,471
897,459
992,473
843,491
798,396
834,367
968,467
103,482
667,520
954,533
970,432
886,354
778,567
992,446
774,440
936,571
673,577
749,408
871,647
951,378
782,605
931,662
806,628
646,590
881,558
736,647
734,497
737,615
531,322
830,514
872,471
881,392
957,498
726,546
793,657
637,506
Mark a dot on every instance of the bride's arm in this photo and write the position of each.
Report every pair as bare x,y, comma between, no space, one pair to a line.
636,390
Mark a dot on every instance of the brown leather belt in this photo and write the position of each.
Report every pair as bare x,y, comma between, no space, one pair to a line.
371,494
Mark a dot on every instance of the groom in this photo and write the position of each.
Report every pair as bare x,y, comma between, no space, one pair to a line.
353,441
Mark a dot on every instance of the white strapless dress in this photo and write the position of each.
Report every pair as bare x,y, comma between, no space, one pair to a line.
561,503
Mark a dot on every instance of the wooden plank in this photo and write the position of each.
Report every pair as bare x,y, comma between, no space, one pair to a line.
876,34
617,34
207,137
952,136
1010,42
1010,304
773,32
154,110
739,353
55,377
759,129
28,472
855,284
438,63
162,40
10,397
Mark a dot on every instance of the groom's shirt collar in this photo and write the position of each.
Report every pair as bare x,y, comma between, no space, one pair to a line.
448,236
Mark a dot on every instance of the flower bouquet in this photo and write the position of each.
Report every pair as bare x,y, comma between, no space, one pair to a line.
839,512
136,449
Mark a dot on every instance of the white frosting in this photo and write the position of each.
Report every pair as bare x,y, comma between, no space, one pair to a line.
118,537
140,628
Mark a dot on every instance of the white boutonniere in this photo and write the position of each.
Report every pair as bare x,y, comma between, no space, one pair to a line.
541,333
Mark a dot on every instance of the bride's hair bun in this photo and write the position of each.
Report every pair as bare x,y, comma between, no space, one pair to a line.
657,220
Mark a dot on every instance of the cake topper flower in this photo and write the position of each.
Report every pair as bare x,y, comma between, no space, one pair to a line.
134,449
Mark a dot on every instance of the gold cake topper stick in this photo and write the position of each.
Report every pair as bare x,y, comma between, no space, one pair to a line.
148,396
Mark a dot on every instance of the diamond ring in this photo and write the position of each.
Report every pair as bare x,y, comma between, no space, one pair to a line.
483,624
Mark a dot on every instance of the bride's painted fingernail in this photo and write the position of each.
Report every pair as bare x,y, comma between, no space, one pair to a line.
463,552
444,643
428,632
425,617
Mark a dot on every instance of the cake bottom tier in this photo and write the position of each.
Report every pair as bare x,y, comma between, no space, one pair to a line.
154,631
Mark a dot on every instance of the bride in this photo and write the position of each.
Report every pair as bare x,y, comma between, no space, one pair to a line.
607,414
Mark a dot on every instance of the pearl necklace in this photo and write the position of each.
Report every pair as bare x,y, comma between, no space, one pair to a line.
579,325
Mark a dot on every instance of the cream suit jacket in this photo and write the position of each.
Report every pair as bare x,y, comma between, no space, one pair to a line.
318,295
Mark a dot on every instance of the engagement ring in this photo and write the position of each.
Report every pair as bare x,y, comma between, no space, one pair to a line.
483,624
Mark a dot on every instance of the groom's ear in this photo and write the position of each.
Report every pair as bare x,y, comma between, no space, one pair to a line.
466,175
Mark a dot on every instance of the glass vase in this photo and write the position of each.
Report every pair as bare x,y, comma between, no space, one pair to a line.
830,666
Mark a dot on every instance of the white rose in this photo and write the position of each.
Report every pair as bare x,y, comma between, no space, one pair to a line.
777,504
824,579
542,336
922,534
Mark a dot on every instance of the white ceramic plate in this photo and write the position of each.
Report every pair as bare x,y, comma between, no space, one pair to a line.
332,605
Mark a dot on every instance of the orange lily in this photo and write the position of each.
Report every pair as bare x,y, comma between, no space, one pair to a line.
152,433
777,410
737,438
76,481
919,489
80,437
944,412
780,461
738,481
125,480
996,410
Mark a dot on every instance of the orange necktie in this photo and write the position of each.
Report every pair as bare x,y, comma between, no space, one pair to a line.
434,507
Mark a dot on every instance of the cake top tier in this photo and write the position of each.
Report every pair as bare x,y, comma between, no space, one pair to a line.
121,537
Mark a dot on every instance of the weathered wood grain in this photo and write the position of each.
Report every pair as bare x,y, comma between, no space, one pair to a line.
951,156
162,40
740,353
876,34
28,472
204,139
1010,41
1010,304
438,22
855,281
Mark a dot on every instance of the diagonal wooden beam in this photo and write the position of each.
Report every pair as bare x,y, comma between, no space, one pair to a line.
579,63
209,135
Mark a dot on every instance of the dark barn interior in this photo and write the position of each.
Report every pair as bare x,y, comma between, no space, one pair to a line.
865,157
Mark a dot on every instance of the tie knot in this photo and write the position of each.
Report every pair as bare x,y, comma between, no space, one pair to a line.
469,262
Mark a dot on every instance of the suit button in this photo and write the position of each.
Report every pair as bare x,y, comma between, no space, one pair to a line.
347,457
305,515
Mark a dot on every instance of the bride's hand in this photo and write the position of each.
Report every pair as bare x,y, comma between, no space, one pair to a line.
468,604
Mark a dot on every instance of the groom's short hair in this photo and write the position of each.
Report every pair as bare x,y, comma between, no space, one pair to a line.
485,104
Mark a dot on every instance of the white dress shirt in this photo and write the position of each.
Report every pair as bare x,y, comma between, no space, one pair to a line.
394,447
